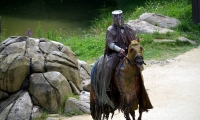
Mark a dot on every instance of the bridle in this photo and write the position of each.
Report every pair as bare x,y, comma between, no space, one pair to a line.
131,62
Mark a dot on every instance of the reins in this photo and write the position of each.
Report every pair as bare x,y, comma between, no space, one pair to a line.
129,61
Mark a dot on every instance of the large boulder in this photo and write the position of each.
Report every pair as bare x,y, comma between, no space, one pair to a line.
145,27
49,89
14,69
85,73
58,61
159,20
151,22
81,105
46,69
18,106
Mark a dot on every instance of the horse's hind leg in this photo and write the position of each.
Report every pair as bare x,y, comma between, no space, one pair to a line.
140,116
126,115
133,114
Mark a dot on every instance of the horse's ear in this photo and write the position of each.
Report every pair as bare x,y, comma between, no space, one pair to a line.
138,39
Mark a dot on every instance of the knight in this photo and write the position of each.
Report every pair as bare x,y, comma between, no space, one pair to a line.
118,37
105,93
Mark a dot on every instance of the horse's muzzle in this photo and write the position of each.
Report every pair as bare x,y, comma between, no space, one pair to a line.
139,60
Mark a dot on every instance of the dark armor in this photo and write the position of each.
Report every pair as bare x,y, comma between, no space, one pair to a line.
121,35
118,36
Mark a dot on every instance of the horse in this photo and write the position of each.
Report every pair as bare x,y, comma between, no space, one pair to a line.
125,91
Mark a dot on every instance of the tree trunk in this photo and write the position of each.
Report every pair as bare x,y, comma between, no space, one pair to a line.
196,11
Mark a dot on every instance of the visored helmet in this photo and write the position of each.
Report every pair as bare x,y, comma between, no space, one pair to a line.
118,17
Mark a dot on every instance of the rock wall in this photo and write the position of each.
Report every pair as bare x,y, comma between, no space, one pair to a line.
34,74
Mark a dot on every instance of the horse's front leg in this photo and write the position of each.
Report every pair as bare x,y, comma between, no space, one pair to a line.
140,116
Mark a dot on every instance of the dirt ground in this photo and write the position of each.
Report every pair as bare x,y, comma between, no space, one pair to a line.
173,88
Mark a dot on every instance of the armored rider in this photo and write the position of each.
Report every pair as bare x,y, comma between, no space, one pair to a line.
118,37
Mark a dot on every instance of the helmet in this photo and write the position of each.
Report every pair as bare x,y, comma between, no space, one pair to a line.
118,17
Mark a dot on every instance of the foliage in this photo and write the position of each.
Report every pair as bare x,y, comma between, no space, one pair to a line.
2,35
73,113
39,30
43,116
87,47
180,9
90,46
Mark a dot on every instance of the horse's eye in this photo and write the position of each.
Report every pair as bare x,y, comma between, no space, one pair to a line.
141,48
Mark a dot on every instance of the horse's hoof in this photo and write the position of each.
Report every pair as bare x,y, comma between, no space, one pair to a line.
139,118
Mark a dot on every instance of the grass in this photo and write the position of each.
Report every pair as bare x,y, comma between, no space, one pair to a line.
73,113
90,46
43,116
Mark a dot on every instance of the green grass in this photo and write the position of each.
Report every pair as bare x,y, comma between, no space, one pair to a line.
2,35
73,113
43,116
87,48
90,46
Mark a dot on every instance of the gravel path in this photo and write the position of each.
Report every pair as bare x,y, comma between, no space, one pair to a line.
173,88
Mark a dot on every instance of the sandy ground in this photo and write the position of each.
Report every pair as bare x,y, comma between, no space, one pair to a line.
173,88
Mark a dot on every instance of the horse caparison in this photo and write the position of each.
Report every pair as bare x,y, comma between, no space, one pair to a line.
126,90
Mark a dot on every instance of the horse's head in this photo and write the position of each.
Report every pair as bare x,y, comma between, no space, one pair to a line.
135,53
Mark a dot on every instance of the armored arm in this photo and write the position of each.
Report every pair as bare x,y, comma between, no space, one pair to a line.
114,47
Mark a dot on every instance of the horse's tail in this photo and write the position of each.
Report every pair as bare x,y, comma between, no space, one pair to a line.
92,72
100,103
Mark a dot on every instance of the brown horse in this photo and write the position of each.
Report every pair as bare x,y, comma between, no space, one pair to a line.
125,91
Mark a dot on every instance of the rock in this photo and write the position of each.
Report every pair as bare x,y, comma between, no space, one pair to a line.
145,27
14,70
22,108
85,96
60,84
85,73
159,20
183,39
52,118
14,39
163,40
56,61
42,91
36,112
5,103
74,105
87,87
6,111
74,89
32,48
15,48
38,66
47,46
85,66
49,89
17,107
3,95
